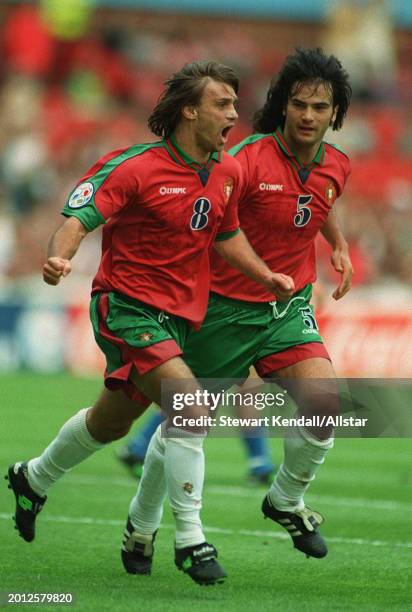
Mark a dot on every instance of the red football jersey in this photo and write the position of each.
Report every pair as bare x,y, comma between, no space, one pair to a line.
161,213
282,208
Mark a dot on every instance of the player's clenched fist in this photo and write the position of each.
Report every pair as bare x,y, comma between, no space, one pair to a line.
282,286
54,269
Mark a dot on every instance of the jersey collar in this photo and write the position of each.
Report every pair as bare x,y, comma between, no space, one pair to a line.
319,158
182,158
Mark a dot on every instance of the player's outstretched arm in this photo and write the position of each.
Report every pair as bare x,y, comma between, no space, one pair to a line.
340,258
238,252
62,247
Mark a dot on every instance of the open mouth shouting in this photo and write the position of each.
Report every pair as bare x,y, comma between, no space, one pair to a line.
225,132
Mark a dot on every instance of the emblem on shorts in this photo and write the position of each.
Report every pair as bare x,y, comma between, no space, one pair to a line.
145,337
330,193
228,188
188,487
81,195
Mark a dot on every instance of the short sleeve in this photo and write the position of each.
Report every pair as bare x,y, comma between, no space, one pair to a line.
103,191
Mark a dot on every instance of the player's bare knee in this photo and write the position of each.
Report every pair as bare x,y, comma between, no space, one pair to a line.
106,429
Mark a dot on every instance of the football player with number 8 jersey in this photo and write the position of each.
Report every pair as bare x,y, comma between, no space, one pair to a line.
164,206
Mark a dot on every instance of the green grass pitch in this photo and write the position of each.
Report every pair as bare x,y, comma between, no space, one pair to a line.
364,490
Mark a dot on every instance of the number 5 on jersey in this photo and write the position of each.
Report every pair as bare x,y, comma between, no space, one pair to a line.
304,213
200,217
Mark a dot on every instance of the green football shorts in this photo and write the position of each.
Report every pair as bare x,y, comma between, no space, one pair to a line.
133,334
237,334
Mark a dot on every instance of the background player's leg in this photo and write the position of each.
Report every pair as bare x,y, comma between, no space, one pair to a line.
261,467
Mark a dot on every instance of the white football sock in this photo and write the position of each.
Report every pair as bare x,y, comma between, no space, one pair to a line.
175,466
184,472
303,454
72,444
146,508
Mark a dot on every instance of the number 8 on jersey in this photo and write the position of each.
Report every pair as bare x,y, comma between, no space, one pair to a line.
200,218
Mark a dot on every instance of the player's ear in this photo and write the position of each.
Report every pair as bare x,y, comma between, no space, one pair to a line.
189,112
333,118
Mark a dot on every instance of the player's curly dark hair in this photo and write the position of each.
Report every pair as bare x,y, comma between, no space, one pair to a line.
305,66
185,88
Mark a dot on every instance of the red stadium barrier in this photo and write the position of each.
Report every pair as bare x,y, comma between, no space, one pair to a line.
364,344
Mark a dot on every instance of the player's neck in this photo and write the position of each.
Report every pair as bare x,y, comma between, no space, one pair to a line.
304,153
306,156
185,140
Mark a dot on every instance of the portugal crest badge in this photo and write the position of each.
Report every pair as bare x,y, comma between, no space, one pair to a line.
188,487
330,193
145,337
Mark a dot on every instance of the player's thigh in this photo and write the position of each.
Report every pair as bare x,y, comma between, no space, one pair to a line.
315,367
176,377
313,385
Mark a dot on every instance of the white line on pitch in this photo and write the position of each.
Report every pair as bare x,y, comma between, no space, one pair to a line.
233,491
88,520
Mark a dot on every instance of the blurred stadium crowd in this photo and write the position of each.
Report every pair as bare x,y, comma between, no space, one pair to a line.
70,92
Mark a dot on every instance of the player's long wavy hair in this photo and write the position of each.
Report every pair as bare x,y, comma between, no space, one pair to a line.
185,88
305,66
